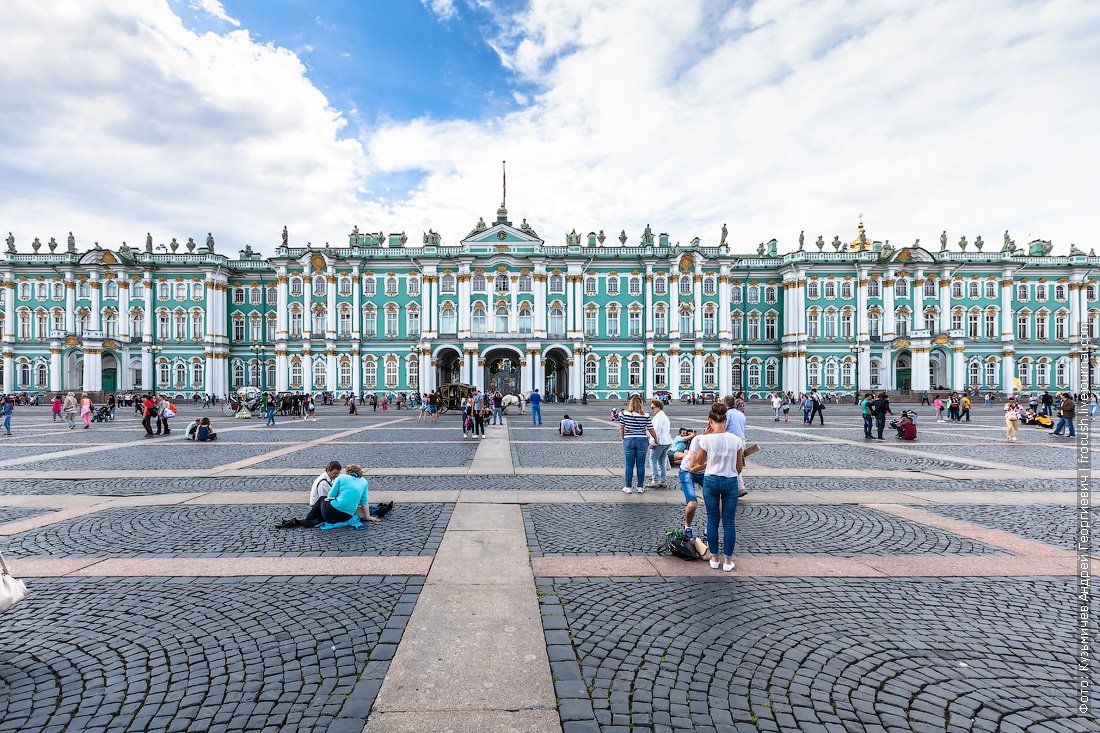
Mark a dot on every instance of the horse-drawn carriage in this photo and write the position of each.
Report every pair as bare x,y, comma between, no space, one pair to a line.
451,395
246,397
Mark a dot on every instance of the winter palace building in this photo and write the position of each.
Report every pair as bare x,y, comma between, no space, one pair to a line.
503,308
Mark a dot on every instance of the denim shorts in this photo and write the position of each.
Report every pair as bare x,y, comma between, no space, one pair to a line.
688,481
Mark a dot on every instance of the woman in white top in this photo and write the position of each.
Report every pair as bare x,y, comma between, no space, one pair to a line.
1012,420
720,457
658,447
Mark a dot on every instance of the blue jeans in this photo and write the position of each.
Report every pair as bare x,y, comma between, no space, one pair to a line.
498,415
867,421
720,498
688,481
536,414
271,415
658,463
634,450
1062,422
7,423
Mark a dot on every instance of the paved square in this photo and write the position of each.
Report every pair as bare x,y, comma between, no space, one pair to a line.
880,586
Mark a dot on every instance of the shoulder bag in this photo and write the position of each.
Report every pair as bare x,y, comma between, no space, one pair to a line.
12,590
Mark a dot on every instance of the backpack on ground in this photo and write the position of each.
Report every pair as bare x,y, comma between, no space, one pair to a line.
677,545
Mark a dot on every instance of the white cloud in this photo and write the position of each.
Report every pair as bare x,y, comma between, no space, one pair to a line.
215,8
778,117
442,9
118,120
775,117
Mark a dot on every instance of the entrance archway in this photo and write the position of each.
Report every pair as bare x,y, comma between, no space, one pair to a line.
903,371
448,366
110,372
503,371
74,372
937,368
556,372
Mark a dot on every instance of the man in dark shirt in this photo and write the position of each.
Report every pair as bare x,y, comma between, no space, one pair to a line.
498,408
880,408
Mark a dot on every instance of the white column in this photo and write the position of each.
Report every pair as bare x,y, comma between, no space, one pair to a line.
697,315
282,371
123,321
464,302
96,322
539,279
147,336
425,309
513,295
330,371
281,309
148,376
330,313
918,304
697,371
1075,290
647,284
724,307
93,368
861,307
920,378
674,371
650,376
70,304
725,372
578,301
889,327
864,369
9,316
307,372
674,311
55,367
1008,371
945,304
958,366
571,307
1008,332
9,370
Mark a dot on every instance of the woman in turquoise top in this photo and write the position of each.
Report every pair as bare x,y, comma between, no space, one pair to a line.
348,493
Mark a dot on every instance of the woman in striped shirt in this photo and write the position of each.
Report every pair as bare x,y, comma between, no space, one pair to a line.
636,429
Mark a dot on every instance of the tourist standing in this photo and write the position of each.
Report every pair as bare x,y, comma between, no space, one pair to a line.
86,410
938,404
148,414
498,408
271,411
1012,420
1047,402
658,447
924,397
536,408
964,405
880,409
817,407
111,405
479,415
69,409
777,403
634,426
807,409
720,456
868,418
688,443
1067,411
56,409
6,409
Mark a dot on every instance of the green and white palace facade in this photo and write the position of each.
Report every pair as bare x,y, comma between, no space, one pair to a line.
504,308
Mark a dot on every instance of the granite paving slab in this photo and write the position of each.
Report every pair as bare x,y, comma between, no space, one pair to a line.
729,654
843,530
211,654
238,530
1052,524
183,454
15,513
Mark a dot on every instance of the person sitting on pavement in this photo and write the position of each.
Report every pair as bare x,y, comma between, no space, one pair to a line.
205,433
569,427
906,427
338,508
192,430
680,446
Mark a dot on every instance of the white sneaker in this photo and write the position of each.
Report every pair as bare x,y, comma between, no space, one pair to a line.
728,566
714,564
641,489
628,490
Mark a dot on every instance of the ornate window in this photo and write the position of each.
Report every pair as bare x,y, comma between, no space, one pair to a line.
1021,292
412,372
685,321
874,324
197,375
687,375
874,288
846,330
635,286
613,371
448,323
477,283
634,374
813,290
1059,292
829,290
255,296
524,283
238,330
708,286
634,323
771,372
590,286
557,322
501,283
344,286
956,290
660,286
754,294
974,373
829,323
343,323
1041,323
370,322
901,288
972,323
813,325
991,323
929,287
296,289
1061,324
990,289
613,321
320,373
660,373
754,327
590,323
973,290
238,296
1041,293
770,294
771,327
477,320
525,320
830,374
957,319
1022,322
370,373
318,325
710,373
736,296
613,285
391,323
412,322
391,285
319,284
296,374
591,372
991,373
736,326
501,325
369,286
344,373
754,375
447,284
556,284
296,324
709,329
685,285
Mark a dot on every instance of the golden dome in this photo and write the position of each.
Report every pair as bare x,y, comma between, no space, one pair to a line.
860,243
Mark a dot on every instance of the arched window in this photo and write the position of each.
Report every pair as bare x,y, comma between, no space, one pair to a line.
846,371
524,283
591,372
110,290
319,284
110,324
1061,374
813,324
501,283
318,324
754,375
448,323
370,286
660,286
83,289
557,322
412,372
613,321
829,323
197,374
709,329
391,285
685,321
929,287
830,289
164,374
1021,292
972,323
345,286
708,286
24,375
991,323
830,374
990,289
137,323
557,284
501,325
1023,371
447,283
296,374
370,322
991,373
901,288
973,290
957,289
974,373
296,288
370,373
181,375
525,320
660,322
343,323
813,373
1061,325
874,288
344,373
412,322
478,283
771,372
847,330
613,371
612,284
635,286
391,372
296,324
710,373
477,320
634,374
319,373
685,285
754,294
686,373
58,289
874,378
391,322
660,373
813,290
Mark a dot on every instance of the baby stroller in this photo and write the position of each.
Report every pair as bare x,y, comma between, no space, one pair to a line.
101,414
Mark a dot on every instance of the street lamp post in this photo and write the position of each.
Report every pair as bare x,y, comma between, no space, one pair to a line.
258,355
585,351
154,349
856,350
739,350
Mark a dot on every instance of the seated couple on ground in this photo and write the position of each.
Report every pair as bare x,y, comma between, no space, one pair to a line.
570,427
679,448
200,430
335,498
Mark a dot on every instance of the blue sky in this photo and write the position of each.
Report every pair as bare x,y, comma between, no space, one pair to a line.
385,59
182,117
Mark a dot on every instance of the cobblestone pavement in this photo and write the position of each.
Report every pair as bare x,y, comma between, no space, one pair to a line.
1050,523
225,654
1035,456
164,456
811,655
802,529
237,530
13,513
376,456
